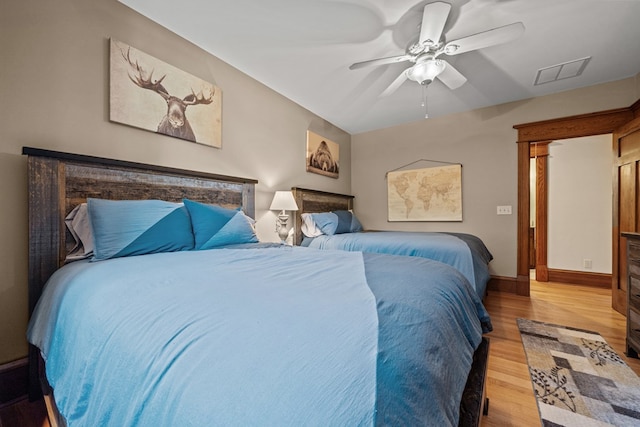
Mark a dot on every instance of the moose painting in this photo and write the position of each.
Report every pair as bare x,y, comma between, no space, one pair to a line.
150,94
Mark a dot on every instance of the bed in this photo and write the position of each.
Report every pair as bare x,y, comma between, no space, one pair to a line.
465,252
239,333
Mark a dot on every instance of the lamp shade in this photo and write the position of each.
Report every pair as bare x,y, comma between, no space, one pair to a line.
283,201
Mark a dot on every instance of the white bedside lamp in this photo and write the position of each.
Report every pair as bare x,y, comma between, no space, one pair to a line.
283,201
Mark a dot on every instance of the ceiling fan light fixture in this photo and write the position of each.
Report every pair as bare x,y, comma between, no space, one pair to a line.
425,71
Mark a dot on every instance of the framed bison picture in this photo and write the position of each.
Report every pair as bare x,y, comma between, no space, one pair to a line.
150,94
323,155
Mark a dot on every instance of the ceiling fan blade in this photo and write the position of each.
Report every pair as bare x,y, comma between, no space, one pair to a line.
486,38
380,61
434,17
451,77
395,84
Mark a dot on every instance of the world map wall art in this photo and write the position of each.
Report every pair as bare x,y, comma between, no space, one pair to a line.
429,194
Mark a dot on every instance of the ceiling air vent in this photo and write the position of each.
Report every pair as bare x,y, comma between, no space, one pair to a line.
566,70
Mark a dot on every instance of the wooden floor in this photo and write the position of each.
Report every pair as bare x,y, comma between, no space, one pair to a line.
511,401
509,388
24,414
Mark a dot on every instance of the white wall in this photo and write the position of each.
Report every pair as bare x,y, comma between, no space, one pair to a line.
484,141
54,86
580,204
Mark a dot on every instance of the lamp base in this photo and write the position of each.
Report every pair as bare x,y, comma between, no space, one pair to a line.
281,227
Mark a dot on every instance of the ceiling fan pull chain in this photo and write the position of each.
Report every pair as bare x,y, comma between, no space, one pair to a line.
424,101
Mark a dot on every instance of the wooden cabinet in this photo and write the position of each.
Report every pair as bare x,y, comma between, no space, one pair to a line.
633,293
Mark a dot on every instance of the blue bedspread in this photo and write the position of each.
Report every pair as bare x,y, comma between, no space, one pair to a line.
226,337
431,321
465,252
191,306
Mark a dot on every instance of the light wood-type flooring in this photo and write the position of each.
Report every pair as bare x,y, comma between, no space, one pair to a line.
511,401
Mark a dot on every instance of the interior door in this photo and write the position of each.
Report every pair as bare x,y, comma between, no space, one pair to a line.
626,204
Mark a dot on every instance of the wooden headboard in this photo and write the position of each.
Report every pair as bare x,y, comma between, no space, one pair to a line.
57,182
310,201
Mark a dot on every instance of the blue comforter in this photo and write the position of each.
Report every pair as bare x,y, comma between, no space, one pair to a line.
465,252
276,336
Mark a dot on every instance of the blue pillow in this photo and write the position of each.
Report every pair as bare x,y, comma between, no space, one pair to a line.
207,220
137,227
327,222
337,222
347,222
238,229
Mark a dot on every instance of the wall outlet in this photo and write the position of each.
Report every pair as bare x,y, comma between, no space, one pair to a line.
586,263
504,210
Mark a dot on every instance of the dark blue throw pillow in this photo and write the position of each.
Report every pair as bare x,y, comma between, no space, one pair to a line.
347,222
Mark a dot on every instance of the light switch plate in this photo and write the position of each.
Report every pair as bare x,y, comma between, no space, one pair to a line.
504,210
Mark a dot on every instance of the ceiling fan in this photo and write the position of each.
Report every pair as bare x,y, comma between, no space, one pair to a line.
431,44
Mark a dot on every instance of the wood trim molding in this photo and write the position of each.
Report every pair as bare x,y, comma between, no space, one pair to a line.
14,379
626,211
598,280
502,284
539,149
598,123
542,210
636,108
574,126
628,128
523,220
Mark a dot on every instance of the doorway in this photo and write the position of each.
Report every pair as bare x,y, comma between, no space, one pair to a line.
571,210
569,127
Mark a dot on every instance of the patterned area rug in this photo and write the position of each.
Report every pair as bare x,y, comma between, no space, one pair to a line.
578,379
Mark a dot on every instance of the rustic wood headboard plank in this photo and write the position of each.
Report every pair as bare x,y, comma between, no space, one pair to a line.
310,201
81,158
44,226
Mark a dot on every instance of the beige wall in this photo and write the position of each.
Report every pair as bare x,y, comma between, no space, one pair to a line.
54,62
54,90
484,141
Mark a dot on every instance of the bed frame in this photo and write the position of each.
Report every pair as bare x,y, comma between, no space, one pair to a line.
313,201
57,182
474,401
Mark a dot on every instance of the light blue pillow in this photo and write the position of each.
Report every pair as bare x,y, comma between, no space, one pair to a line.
238,229
207,220
137,227
337,222
327,222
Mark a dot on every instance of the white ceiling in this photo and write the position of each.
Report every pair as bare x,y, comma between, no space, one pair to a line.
302,49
